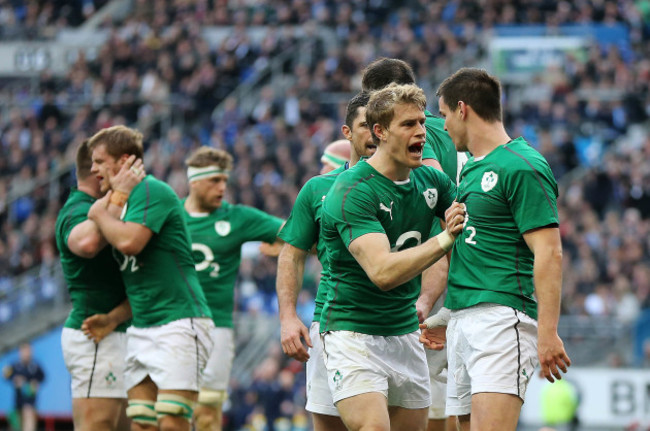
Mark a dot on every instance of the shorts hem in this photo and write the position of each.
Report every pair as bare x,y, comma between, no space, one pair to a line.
349,393
412,405
99,394
493,390
322,409
458,410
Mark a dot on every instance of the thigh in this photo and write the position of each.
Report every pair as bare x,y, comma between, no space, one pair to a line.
402,419
369,410
216,373
495,412
90,414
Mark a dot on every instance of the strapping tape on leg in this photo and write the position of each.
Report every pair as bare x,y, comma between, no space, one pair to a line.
212,398
142,411
174,405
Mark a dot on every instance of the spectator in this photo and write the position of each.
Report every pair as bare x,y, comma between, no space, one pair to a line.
26,376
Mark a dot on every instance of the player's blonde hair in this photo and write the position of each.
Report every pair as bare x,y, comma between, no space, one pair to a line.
118,140
381,106
208,156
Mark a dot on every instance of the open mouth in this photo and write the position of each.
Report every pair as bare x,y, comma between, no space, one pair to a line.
371,148
416,149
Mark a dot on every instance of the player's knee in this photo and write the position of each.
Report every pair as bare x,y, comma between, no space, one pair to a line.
174,405
142,412
212,398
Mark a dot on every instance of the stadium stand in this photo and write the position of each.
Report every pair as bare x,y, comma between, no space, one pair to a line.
271,90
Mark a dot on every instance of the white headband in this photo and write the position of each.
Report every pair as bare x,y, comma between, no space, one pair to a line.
195,174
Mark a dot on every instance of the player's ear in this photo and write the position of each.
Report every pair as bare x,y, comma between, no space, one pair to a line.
347,132
379,131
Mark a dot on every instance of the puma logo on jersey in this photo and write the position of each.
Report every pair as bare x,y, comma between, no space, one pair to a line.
387,209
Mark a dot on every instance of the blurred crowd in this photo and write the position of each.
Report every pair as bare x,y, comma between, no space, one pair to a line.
158,72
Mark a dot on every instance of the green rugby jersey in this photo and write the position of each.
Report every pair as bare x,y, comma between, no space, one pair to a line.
507,193
440,147
303,226
161,283
363,201
217,239
95,284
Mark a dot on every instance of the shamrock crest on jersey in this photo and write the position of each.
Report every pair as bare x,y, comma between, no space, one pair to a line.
222,227
489,181
431,196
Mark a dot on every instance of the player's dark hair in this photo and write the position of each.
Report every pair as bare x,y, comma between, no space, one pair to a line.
384,71
83,160
358,101
477,89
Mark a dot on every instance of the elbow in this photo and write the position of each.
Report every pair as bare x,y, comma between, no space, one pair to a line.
89,247
383,281
129,247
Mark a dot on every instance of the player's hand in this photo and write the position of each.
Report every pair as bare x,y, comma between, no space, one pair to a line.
97,327
552,356
99,206
455,218
434,338
129,175
292,330
271,249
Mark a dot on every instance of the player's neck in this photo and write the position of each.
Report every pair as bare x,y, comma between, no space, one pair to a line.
388,166
354,158
193,205
485,137
87,187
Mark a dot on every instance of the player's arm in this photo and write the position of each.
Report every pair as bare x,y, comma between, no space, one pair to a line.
434,283
127,237
291,267
86,240
98,326
546,245
387,269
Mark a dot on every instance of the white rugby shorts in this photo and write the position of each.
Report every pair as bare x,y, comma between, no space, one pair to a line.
96,370
491,348
395,366
319,397
173,355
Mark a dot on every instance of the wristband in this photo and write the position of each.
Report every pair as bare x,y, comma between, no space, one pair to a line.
441,318
119,198
445,240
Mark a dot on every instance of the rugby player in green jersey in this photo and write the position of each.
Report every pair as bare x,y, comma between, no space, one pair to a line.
300,234
95,286
376,224
440,153
169,341
218,230
509,249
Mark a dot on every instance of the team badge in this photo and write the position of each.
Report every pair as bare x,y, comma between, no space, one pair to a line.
431,196
222,227
489,181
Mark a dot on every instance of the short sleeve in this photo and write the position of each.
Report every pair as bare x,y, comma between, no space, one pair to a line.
301,229
149,205
77,214
532,195
260,226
